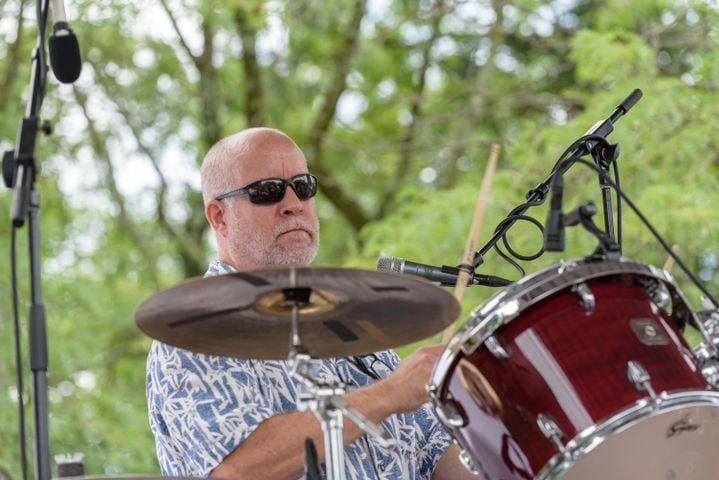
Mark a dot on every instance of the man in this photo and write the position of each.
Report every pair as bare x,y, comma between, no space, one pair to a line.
237,418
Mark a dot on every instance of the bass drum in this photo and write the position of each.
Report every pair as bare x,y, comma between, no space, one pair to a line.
579,371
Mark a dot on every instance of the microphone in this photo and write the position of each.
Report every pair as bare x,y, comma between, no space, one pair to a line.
554,226
574,217
444,275
606,126
64,49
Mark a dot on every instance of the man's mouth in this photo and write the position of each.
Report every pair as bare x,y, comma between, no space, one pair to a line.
295,230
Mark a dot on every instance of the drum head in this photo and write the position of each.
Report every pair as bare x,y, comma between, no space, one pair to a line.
675,445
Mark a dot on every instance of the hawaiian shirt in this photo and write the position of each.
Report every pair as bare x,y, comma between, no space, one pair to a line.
202,407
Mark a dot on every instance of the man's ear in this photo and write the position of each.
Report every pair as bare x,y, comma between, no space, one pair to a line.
215,213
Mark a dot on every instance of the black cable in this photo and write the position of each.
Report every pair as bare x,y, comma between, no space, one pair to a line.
525,258
654,232
510,261
18,352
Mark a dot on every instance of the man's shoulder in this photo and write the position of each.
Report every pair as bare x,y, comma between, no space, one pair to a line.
218,267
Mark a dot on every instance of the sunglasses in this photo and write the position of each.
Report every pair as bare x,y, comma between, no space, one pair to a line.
272,190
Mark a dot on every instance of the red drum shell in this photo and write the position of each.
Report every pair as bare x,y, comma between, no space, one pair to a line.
566,362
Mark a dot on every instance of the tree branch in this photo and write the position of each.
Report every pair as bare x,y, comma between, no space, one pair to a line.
100,148
194,260
350,209
254,94
211,133
13,56
405,149
181,37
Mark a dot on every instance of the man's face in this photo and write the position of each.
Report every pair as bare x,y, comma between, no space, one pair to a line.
283,233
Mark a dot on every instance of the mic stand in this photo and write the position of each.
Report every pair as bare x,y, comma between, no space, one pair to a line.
585,145
325,400
604,155
20,171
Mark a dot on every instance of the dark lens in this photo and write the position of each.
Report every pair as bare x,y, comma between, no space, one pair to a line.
305,186
266,191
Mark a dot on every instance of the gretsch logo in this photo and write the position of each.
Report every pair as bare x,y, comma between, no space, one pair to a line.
681,426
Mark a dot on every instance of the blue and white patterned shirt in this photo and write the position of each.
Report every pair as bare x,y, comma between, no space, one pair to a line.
202,407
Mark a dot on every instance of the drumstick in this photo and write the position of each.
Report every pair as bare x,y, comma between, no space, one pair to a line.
468,259
670,260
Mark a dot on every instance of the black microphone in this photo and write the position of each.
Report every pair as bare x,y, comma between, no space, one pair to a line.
64,49
575,216
606,126
444,275
554,227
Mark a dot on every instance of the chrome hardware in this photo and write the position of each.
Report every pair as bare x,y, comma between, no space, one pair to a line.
710,320
658,292
706,354
551,431
586,297
468,462
495,347
449,415
640,378
488,325
566,266
710,370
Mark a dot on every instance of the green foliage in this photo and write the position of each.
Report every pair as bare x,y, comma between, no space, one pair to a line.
603,58
423,93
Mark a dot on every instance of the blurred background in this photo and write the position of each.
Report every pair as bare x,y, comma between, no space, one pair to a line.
395,104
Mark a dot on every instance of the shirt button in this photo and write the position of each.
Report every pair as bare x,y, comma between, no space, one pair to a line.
381,467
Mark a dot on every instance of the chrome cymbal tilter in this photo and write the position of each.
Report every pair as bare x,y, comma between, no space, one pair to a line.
325,400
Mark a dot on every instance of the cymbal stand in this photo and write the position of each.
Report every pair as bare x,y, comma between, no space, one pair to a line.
325,400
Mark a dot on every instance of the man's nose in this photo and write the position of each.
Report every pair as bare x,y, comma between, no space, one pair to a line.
291,204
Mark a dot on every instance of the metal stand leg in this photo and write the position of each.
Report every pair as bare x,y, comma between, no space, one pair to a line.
334,444
329,406
325,401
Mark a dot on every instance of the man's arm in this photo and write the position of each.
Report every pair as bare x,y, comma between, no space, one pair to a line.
275,450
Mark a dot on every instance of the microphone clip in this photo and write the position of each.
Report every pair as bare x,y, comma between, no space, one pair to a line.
605,154
607,249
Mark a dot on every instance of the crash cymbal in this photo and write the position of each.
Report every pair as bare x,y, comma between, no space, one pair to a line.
344,312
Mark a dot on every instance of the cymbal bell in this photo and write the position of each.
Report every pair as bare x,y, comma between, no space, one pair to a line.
342,312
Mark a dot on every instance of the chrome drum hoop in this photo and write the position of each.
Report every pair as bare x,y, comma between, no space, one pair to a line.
623,420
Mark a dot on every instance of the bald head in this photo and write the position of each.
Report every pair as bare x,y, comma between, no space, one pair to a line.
252,235
237,152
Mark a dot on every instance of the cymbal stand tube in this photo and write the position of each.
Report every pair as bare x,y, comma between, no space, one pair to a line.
321,399
328,404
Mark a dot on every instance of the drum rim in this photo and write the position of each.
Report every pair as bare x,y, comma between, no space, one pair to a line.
645,409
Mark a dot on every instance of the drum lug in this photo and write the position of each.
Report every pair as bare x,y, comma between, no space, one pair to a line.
449,414
710,370
658,293
549,428
586,297
495,347
468,463
640,378
706,354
